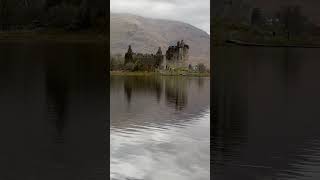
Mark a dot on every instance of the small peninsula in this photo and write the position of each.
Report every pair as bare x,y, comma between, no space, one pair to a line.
172,63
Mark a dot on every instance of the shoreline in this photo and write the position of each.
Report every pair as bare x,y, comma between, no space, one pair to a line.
142,73
53,35
127,73
244,43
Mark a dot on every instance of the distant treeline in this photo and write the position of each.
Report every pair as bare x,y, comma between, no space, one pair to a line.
240,19
69,14
288,19
117,63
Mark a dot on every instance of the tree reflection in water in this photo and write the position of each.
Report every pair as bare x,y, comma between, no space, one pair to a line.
174,88
176,92
56,98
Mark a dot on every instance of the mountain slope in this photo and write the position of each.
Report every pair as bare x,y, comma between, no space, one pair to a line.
145,35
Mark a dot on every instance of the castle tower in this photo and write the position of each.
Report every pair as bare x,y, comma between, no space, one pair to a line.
128,56
159,52
182,43
180,52
129,49
159,57
177,55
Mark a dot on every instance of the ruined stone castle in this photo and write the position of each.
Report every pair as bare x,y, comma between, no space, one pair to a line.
178,54
147,60
175,56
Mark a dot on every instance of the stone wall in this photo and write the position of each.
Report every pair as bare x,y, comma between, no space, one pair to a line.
178,54
175,56
150,60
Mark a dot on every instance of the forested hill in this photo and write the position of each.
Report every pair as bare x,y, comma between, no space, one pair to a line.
242,9
17,14
310,8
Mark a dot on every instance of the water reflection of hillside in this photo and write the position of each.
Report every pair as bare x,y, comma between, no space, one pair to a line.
266,117
50,92
230,108
155,99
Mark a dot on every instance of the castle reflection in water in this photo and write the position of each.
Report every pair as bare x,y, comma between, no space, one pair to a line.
161,97
174,89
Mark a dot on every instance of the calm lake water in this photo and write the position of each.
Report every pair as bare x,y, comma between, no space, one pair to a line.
160,128
53,104
266,114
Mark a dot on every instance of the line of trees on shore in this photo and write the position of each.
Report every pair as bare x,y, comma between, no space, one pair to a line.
72,14
117,63
256,24
288,20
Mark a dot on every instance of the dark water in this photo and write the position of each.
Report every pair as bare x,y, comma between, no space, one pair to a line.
53,105
266,114
160,128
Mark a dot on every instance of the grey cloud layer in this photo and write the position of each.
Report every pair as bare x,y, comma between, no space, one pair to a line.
196,12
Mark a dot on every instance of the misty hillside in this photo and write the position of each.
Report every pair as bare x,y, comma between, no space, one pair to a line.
145,35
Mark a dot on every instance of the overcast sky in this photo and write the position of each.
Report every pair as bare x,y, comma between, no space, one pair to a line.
194,12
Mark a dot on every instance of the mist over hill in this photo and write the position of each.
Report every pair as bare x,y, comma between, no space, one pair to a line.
145,35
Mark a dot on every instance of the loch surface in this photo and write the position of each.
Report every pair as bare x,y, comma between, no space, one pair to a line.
53,105
160,128
266,113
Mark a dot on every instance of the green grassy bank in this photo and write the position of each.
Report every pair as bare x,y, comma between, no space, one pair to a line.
142,73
